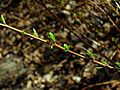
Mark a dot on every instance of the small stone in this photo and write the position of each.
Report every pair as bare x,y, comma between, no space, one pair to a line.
76,79
68,7
66,12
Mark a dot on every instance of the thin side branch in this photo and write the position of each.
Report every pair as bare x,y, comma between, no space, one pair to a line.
70,29
102,83
39,39
49,42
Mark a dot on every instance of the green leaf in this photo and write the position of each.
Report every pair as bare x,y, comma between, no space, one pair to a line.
118,64
3,19
23,32
35,32
52,36
90,53
66,47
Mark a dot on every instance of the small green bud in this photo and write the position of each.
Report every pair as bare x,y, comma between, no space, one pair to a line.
66,47
3,19
52,36
90,53
23,32
35,32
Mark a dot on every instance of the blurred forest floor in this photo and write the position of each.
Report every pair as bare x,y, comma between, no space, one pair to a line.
27,64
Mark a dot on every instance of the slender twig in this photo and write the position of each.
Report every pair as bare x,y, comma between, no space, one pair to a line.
105,65
110,19
70,29
54,44
106,15
40,39
102,83
25,33
113,8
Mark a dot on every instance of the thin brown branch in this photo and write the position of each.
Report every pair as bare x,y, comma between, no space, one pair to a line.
102,83
107,15
104,65
39,39
58,46
54,44
25,33
70,29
